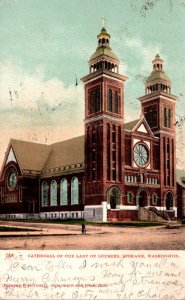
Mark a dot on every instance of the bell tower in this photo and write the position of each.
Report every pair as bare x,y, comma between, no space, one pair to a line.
158,107
104,134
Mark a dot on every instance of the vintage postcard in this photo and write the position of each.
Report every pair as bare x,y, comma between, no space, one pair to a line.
92,123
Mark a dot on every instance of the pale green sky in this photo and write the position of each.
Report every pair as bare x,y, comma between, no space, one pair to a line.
45,43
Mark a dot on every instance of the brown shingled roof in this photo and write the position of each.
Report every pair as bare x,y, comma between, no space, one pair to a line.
30,156
66,153
38,157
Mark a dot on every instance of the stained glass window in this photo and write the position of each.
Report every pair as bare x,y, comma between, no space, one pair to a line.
63,192
74,191
53,193
45,189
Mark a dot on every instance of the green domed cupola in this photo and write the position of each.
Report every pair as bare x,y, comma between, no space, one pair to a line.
158,80
104,57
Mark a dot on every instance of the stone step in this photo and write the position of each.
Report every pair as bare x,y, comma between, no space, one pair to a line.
173,226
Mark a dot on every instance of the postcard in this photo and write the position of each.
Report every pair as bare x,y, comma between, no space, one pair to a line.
92,182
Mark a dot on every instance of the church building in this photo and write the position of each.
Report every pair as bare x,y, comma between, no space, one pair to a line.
117,171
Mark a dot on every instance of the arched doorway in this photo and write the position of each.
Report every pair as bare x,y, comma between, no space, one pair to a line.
169,201
143,198
114,197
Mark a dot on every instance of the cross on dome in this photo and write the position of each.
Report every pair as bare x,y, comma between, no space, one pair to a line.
104,58
103,21
157,49
158,80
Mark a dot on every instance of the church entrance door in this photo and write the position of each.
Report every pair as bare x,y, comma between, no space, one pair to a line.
143,197
114,197
169,201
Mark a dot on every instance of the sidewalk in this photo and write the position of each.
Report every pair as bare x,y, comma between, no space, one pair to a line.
39,229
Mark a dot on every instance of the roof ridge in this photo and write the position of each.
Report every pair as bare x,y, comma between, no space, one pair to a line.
79,136
29,142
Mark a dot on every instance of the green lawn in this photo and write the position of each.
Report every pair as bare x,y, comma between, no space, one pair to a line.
114,224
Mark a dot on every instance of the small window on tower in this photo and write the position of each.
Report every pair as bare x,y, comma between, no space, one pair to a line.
91,102
165,117
94,101
147,116
169,118
154,118
97,100
109,104
116,102
113,133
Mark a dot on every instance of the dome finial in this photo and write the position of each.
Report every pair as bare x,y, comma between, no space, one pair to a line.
103,21
157,50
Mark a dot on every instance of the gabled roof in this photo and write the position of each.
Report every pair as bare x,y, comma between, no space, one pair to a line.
139,126
130,125
30,156
39,157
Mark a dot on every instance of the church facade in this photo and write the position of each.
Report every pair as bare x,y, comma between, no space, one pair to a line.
116,171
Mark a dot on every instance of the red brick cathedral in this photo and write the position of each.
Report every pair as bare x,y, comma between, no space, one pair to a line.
117,171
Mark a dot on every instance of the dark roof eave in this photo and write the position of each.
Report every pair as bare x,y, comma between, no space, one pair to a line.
155,94
104,72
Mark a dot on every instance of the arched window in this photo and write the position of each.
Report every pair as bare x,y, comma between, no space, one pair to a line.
129,197
109,104
97,101
63,192
169,201
94,104
108,152
91,103
74,191
142,178
165,117
169,118
44,196
53,193
154,199
116,102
